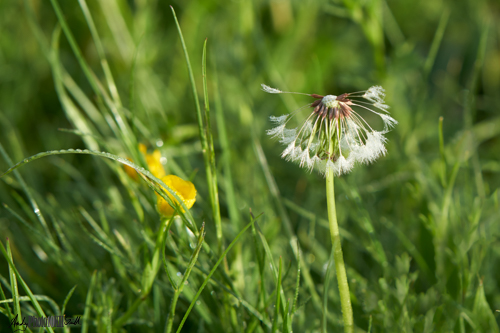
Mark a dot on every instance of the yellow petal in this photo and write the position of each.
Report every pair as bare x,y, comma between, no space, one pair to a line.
184,189
131,171
154,164
142,148
152,160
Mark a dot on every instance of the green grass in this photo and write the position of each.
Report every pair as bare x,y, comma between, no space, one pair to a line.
420,228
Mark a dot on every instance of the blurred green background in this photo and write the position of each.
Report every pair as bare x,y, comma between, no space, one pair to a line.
421,226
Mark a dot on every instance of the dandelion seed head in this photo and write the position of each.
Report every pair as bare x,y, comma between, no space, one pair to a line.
335,137
330,101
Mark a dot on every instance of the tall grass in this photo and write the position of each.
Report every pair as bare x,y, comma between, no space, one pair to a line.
80,237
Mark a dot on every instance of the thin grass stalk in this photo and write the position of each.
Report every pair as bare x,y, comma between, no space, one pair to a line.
178,291
228,184
345,297
13,286
203,139
221,258
150,273
38,309
214,195
100,51
277,305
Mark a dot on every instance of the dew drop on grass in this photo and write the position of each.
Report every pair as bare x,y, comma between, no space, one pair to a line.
198,302
179,273
159,143
37,211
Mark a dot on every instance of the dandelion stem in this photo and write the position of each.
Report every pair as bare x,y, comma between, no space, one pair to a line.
345,298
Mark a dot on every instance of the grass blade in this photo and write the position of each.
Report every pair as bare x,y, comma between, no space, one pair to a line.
277,305
88,304
214,193
154,183
211,182
436,42
189,268
221,258
23,284
13,286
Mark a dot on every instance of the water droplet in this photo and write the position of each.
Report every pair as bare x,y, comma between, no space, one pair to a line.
186,282
179,273
198,302
159,143
212,293
37,211
163,160
71,149
78,150
25,160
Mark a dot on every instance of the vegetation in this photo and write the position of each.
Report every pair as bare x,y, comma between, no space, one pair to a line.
81,234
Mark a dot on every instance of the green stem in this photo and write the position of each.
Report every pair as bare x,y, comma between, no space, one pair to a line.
345,298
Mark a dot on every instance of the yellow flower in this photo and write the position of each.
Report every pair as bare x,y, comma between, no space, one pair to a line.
131,171
152,160
184,189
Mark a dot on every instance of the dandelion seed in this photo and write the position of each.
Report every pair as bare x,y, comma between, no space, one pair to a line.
334,136
270,90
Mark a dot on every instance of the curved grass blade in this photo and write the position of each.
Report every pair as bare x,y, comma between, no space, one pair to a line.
154,183
66,300
28,194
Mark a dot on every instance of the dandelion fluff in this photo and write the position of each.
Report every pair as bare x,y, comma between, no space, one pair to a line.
270,90
372,149
343,165
279,120
375,94
389,122
334,137
277,131
289,150
304,158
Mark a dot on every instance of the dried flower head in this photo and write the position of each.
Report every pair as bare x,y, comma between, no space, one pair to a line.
334,136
